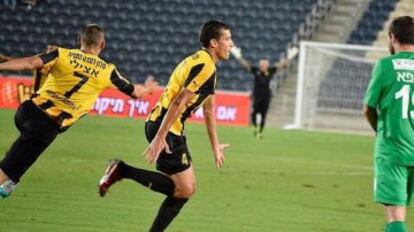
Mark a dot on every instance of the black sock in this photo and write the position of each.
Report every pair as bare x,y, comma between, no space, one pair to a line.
152,180
262,122
167,212
253,118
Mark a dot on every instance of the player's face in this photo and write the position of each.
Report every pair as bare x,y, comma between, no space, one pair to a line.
264,64
224,45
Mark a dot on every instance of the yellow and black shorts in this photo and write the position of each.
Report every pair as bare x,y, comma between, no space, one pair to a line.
179,160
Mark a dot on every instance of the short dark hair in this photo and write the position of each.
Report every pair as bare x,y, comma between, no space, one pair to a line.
91,34
403,29
211,30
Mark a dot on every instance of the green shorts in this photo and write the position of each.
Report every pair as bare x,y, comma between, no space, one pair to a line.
393,183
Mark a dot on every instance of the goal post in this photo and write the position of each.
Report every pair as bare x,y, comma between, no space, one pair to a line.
331,84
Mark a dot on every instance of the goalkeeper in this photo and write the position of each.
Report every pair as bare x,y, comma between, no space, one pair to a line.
262,94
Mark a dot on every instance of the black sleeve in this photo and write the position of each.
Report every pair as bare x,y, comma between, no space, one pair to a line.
47,57
272,70
254,69
121,83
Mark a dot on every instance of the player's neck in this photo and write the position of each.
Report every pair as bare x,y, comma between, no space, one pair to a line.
90,50
213,55
404,48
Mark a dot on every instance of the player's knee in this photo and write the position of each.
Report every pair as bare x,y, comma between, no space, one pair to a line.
185,191
395,213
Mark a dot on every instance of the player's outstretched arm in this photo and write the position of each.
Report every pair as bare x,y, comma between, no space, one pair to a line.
209,117
372,116
291,54
4,58
237,53
148,88
176,108
19,64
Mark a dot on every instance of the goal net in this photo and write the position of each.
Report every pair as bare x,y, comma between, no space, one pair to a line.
332,80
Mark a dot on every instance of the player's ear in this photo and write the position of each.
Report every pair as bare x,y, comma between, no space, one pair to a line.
392,37
102,45
213,43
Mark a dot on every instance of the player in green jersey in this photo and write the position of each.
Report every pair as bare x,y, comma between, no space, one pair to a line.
389,108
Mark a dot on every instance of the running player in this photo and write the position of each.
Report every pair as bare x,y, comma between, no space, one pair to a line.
191,85
75,81
389,108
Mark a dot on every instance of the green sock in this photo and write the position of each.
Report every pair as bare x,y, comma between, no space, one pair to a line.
397,226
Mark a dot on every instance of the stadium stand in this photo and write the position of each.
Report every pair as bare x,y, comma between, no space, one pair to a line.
403,7
365,33
152,36
372,22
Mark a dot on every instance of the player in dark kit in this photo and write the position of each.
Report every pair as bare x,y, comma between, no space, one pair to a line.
191,85
73,83
262,94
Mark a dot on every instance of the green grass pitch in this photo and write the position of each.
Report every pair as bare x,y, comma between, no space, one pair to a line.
288,181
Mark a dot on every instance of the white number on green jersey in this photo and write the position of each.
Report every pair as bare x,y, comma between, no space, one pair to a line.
404,94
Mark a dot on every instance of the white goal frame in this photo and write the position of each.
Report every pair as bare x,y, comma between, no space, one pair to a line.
304,46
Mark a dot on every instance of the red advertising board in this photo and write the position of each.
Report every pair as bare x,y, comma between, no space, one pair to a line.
232,108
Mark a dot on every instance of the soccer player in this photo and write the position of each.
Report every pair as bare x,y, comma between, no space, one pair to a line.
389,109
191,85
262,93
75,81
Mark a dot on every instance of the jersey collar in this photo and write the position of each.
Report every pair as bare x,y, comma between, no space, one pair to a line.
208,52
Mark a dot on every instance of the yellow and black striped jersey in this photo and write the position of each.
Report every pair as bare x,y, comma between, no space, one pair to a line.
197,73
73,84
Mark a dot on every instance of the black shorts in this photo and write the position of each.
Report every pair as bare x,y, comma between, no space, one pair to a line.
179,160
37,132
261,102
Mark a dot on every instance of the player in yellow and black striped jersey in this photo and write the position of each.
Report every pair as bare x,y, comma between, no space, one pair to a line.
191,85
196,73
73,83
82,77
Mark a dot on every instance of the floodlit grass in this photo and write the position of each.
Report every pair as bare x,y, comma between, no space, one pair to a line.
289,181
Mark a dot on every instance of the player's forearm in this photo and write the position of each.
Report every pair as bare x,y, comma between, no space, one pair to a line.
282,64
19,64
210,120
371,116
4,58
139,91
174,111
246,64
211,130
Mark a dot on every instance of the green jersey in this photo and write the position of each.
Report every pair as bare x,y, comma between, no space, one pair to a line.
391,92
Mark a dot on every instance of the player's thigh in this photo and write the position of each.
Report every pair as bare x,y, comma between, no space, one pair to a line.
390,183
179,160
185,182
